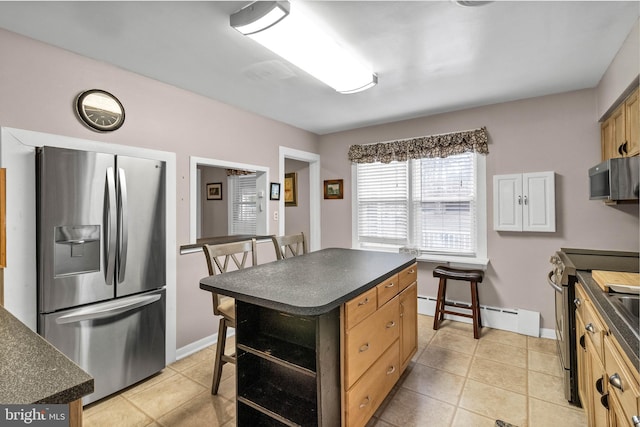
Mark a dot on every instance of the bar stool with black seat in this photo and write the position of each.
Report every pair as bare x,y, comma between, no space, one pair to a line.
473,277
289,245
218,257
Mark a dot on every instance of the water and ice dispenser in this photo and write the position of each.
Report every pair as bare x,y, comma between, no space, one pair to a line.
76,249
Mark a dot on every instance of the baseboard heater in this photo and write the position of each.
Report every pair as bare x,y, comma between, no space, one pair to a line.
524,322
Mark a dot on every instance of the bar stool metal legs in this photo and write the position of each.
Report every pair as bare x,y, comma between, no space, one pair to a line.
473,277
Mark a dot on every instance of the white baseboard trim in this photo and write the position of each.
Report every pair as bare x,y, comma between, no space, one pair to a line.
521,321
201,344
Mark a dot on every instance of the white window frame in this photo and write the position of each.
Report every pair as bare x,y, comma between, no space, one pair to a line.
479,260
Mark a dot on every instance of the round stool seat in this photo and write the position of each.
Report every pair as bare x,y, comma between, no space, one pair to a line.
458,274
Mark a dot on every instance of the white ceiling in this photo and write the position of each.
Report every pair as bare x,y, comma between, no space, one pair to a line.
430,56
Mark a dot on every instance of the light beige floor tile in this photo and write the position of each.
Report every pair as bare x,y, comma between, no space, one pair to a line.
434,383
167,395
504,337
543,345
455,327
456,342
493,402
227,388
503,353
167,372
546,363
464,418
499,374
376,422
549,388
446,360
116,412
425,331
410,409
193,359
544,414
204,409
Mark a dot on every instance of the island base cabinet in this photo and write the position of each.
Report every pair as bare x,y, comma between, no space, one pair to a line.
288,371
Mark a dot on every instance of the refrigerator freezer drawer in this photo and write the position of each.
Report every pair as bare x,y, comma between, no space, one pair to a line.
119,342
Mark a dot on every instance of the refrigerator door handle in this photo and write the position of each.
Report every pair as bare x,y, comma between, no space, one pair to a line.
111,228
109,309
124,224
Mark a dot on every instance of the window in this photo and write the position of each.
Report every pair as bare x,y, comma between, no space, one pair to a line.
243,209
431,206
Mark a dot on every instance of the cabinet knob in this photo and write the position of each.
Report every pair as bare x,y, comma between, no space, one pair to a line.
604,400
589,327
519,200
577,302
526,201
365,402
364,348
624,147
391,324
600,385
636,421
391,370
366,301
620,149
616,381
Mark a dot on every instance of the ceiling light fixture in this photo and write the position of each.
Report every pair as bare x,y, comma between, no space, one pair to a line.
297,39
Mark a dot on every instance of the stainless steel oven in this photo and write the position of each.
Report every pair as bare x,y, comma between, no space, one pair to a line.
562,278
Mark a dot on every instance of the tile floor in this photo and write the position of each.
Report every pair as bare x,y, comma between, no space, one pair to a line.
453,380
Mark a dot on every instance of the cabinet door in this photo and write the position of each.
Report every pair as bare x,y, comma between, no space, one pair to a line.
408,324
539,210
618,131
606,137
632,124
507,203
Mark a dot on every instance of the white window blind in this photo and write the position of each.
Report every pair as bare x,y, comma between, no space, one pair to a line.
428,204
243,204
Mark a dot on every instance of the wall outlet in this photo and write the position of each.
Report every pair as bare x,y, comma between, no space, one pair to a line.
275,215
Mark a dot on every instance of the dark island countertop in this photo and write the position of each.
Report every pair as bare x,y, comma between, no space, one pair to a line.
32,371
310,284
624,333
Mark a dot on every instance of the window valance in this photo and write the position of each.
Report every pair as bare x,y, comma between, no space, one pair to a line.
442,145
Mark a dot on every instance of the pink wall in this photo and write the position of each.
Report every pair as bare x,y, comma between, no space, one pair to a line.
558,133
39,84
297,218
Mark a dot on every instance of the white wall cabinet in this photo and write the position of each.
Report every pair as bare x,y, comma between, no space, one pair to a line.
524,202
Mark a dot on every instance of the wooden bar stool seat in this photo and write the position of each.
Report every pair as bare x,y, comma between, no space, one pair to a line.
473,277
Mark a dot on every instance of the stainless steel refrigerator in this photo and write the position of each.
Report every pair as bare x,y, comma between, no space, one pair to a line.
102,263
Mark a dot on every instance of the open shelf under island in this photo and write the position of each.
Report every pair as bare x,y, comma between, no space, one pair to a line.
321,338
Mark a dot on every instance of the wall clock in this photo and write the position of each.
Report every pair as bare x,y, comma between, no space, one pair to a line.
100,110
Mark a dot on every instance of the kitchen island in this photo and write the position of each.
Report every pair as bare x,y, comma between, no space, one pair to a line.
321,338
35,372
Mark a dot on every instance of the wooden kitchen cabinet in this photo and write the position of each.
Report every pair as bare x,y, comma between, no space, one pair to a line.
379,345
524,202
620,132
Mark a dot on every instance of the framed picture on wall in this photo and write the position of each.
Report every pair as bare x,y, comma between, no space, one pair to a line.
290,189
275,191
214,191
333,189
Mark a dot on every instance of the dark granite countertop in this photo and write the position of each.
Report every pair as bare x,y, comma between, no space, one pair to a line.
310,284
33,371
623,333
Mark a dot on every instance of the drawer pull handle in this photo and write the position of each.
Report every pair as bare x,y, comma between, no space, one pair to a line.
364,348
615,381
589,327
391,370
391,324
577,302
412,271
635,420
389,285
366,301
365,402
600,385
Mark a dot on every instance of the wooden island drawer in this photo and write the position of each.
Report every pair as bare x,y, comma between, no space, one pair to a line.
388,289
408,276
365,342
360,307
368,392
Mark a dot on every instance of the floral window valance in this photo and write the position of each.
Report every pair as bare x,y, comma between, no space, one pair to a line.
234,172
443,145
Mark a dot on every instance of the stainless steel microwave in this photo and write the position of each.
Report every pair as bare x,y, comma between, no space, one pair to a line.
615,179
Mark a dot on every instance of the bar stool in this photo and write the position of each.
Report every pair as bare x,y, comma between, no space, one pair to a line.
473,277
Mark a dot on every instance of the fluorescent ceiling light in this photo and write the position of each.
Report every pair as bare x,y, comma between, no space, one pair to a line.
299,40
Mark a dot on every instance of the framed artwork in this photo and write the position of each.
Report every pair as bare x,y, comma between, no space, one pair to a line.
333,189
274,194
290,189
214,191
